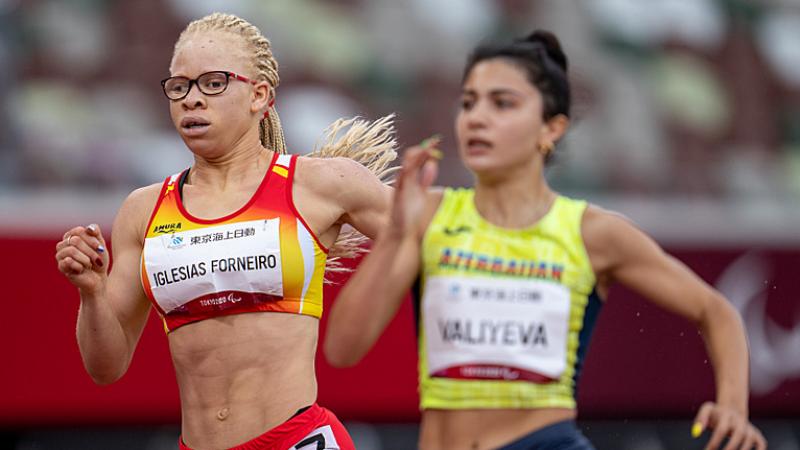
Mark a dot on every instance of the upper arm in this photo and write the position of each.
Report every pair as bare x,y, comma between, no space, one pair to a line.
363,200
621,252
124,290
390,268
366,204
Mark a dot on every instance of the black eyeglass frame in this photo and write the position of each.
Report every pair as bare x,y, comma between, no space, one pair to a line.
228,76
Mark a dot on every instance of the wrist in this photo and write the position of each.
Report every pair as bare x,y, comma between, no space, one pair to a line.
91,294
736,404
393,236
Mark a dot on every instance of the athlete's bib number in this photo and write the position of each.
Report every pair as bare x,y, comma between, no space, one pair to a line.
236,257
497,329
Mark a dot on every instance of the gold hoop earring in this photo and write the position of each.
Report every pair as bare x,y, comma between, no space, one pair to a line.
546,148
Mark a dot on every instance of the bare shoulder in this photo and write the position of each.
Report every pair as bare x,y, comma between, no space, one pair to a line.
142,199
599,225
611,239
136,209
325,172
341,182
605,234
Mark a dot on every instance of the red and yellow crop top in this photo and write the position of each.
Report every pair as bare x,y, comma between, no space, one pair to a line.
263,257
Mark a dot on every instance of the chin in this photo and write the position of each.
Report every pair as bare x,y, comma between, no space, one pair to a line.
482,163
200,147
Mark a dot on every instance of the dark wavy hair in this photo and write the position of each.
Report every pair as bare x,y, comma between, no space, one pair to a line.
540,56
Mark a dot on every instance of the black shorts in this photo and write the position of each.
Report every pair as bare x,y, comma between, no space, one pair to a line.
558,436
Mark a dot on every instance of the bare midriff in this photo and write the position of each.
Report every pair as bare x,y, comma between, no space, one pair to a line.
241,375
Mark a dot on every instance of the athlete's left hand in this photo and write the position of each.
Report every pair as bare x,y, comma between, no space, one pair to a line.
725,421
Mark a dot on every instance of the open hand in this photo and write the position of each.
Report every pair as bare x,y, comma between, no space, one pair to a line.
727,422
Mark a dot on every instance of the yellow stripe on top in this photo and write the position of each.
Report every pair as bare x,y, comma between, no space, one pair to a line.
293,267
460,245
282,171
260,258
290,249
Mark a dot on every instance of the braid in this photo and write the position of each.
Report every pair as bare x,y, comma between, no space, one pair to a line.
373,145
370,143
263,62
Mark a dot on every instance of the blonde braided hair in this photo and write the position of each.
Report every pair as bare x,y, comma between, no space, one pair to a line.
372,144
264,63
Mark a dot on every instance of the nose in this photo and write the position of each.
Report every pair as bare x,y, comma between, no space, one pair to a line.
476,116
194,98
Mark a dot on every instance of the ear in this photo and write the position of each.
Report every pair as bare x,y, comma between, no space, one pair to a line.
262,97
554,128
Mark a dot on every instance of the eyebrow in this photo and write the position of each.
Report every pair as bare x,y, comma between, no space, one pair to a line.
493,92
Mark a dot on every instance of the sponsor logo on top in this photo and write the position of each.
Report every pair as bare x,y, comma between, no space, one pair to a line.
176,242
167,228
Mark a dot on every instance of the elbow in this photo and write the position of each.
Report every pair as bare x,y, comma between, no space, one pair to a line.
718,311
340,361
103,376
339,355
104,379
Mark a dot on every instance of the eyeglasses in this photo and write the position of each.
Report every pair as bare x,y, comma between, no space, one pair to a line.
209,83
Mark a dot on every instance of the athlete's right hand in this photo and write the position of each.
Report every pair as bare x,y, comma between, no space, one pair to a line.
415,177
82,257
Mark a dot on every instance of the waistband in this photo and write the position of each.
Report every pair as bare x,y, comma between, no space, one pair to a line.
303,421
563,435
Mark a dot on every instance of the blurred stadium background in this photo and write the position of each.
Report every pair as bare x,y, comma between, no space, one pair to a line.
686,119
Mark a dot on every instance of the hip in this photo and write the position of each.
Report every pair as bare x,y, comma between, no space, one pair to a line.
484,428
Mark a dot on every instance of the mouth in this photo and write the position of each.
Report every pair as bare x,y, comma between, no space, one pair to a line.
193,125
478,145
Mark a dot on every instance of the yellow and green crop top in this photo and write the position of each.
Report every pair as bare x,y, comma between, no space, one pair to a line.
263,257
504,315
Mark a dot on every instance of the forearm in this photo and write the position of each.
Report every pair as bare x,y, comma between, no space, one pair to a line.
102,341
370,299
726,344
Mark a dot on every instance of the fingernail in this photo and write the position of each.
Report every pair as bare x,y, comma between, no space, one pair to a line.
101,249
91,227
427,142
435,153
697,429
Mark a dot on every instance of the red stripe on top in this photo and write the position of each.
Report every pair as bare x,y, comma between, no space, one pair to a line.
160,200
491,372
222,303
253,199
142,271
272,199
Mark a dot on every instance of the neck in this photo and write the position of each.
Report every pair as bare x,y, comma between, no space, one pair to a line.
239,166
516,200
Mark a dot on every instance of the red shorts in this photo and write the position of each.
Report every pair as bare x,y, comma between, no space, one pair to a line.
313,429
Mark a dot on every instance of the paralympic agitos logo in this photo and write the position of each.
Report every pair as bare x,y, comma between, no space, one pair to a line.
747,283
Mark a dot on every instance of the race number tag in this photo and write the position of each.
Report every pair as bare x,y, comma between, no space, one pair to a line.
495,328
236,257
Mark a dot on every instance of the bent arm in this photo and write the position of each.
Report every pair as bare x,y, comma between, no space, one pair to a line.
370,299
365,200
112,316
622,253
373,294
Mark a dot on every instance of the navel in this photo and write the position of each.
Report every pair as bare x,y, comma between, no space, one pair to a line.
223,414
